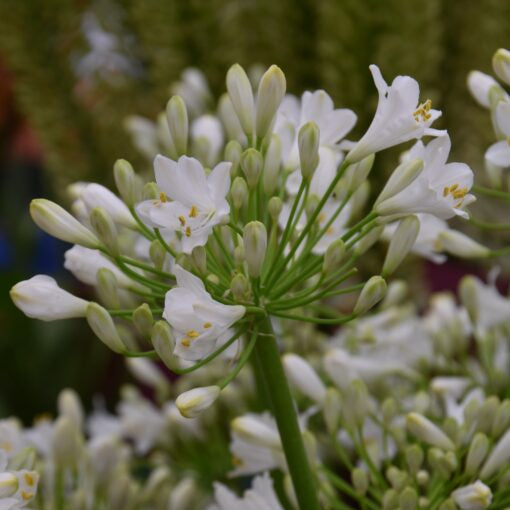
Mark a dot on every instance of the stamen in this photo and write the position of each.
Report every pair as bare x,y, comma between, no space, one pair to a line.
163,197
182,219
192,333
421,113
185,342
188,232
193,211
207,325
446,190
29,479
26,496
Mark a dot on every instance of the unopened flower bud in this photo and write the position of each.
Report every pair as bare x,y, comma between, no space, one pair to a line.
468,291
251,164
403,175
332,409
475,496
274,207
177,118
448,504
372,292
270,93
241,94
358,173
422,477
8,485
304,378
163,342
459,244
41,298
103,327
397,291
107,288
230,120
104,228
367,241
476,454
408,499
308,144
213,279
397,478
157,253
389,409
255,244
501,65
239,192
428,432
67,443
199,258
479,84
272,162
414,458
125,180
499,455
401,243
183,495
233,151
502,419
150,191
69,405
390,500
360,480
143,320
57,222
240,287
192,402
333,256
256,432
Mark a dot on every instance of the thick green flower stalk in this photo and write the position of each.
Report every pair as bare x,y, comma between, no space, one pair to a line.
258,218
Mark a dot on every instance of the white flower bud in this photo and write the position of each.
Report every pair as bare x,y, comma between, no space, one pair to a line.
199,259
428,432
479,84
357,174
256,432
125,180
408,499
230,120
476,454
255,244
183,495
367,241
104,228
274,207
233,152
143,319
158,254
8,485
304,378
308,144
402,176
414,458
475,496
360,480
270,93
401,243
103,327
499,456
177,118
163,342
272,163
239,192
240,287
41,298
333,256
146,371
150,191
67,442
502,419
57,222
397,291
501,65
94,195
252,164
459,244
372,292
69,405
241,94
191,403
107,288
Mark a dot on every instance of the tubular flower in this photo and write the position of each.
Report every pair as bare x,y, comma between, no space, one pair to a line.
499,153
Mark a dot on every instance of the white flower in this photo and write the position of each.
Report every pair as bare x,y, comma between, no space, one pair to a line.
318,107
441,189
398,117
480,84
208,129
17,488
197,320
499,455
260,497
144,135
192,402
475,496
191,202
428,432
303,377
84,263
42,298
499,153
461,245
426,244
193,88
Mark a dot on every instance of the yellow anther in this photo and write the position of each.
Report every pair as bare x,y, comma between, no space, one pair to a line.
26,496
446,190
236,461
193,211
29,479
163,197
461,193
322,217
188,232
422,112
508,140
453,187
192,333
207,325
427,105
182,219
185,342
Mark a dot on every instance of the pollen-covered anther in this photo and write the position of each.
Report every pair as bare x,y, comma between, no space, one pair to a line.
192,333
29,479
26,496
207,325
193,211
162,197
188,232
422,112
182,219
185,342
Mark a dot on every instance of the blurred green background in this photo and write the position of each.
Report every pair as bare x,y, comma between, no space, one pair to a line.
62,121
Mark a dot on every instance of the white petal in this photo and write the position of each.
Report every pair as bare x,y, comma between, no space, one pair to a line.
499,154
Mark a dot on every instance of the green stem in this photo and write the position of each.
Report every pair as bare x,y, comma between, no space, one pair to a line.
503,195
314,320
487,225
286,418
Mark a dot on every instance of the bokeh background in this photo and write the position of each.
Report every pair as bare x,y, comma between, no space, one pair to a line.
71,71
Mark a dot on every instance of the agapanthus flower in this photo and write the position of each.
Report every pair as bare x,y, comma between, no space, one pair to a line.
17,488
499,153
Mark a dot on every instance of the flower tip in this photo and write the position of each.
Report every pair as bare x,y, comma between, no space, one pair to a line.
191,403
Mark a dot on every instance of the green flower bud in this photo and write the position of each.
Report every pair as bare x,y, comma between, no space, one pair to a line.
103,327
401,243
272,163
357,402
366,242
389,409
107,288
275,208
252,164
57,222
502,419
477,452
177,118
239,253
408,499
270,93
422,477
255,244
360,480
157,253
428,432
414,458
241,94
67,443
390,500
333,256
357,174
125,180
487,413
370,295
460,245
397,291
163,342
233,151
143,320
398,479
332,409
105,228
240,287
199,258
308,144
239,192
213,279
448,504
403,175
193,402
501,65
